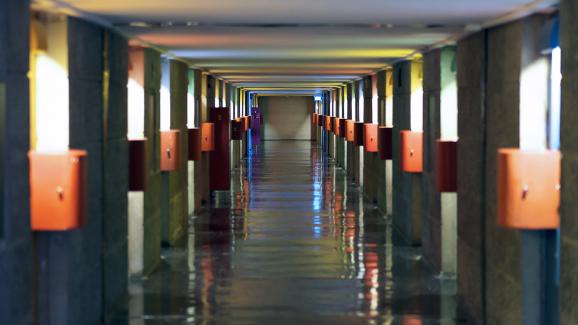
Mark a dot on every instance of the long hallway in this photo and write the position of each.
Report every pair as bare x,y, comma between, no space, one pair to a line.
300,162
297,245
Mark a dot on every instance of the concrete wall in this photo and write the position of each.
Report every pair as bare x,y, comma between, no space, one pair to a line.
78,270
115,184
471,76
406,187
381,165
371,160
200,167
431,223
569,204
16,277
174,206
489,257
287,118
152,196
503,283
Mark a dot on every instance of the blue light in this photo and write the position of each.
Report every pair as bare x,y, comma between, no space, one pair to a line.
317,227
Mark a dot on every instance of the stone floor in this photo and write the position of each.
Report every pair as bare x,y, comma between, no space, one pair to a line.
296,245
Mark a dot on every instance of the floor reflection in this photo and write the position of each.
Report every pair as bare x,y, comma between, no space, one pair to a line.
295,245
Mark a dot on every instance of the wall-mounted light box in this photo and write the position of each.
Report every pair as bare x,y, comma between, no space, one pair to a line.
411,151
58,190
528,189
350,128
208,137
371,137
58,176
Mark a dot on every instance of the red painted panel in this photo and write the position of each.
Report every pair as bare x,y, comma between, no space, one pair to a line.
58,190
237,129
528,189
138,167
220,179
385,142
195,144
359,136
447,166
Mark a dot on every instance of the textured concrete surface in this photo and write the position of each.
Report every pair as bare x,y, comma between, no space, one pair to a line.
569,204
202,173
16,277
371,161
70,263
380,172
471,61
431,223
115,184
489,269
78,280
503,277
152,196
406,187
201,179
352,151
174,210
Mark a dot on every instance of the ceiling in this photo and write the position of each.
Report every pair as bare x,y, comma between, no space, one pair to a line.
294,44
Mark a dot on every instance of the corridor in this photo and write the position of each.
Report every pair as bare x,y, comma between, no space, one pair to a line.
295,246
298,162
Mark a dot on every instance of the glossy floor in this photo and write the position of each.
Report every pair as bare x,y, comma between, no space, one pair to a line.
296,245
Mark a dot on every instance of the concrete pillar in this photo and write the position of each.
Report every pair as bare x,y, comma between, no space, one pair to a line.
439,228
431,226
502,254
381,164
358,150
471,76
115,183
371,160
78,270
202,175
340,141
174,208
406,187
70,263
488,97
351,106
569,205
490,265
16,276
152,196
